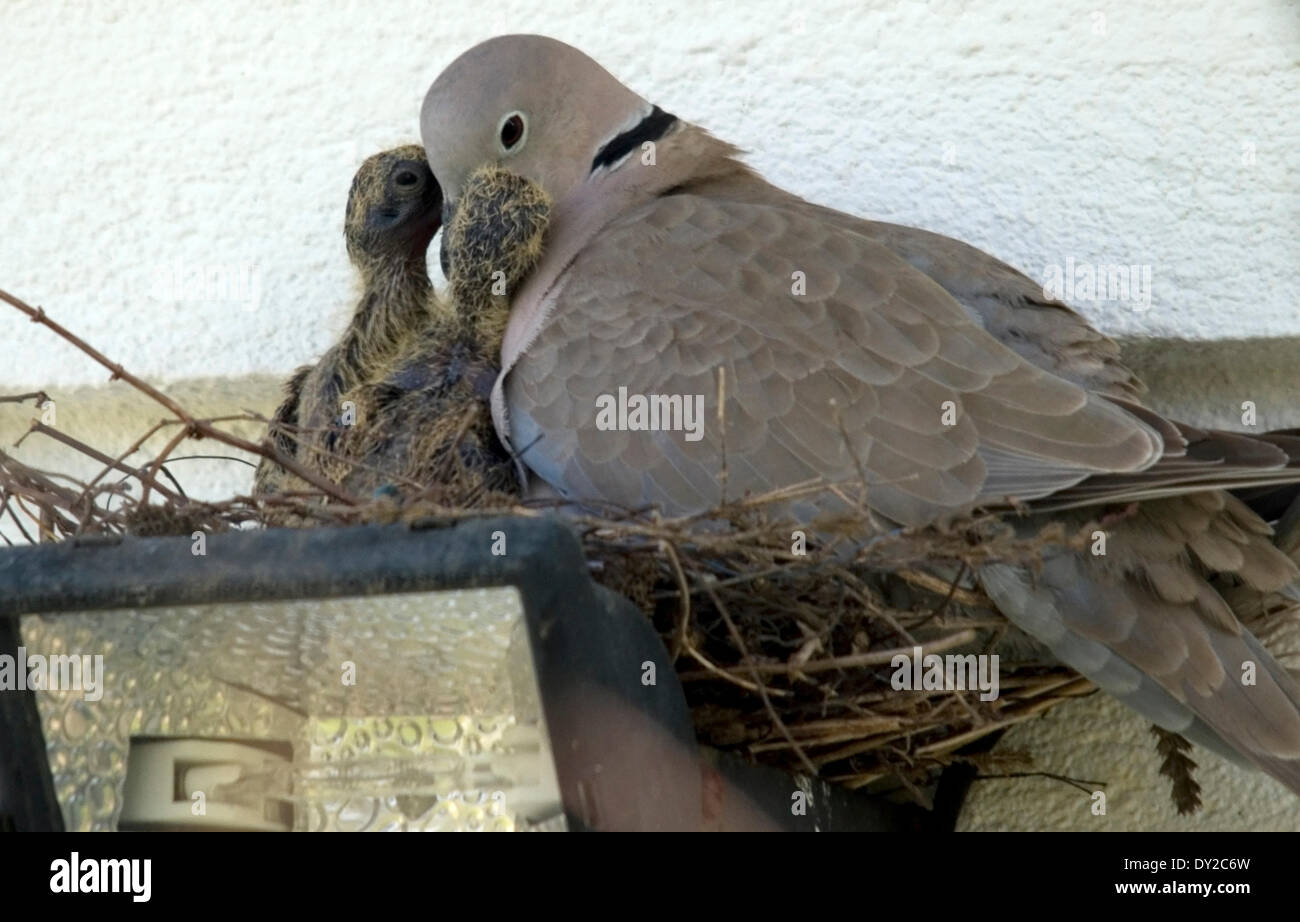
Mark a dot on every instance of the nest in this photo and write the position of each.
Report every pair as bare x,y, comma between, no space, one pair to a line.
784,645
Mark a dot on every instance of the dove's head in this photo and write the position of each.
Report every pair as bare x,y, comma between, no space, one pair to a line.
536,107
394,207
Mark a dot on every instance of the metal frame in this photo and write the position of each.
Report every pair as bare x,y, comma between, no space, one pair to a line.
586,641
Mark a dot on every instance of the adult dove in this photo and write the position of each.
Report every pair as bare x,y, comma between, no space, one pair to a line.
853,349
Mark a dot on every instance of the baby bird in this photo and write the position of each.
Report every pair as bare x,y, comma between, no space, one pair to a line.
400,403
393,211
425,421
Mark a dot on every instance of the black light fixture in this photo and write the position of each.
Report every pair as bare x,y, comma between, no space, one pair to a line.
397,677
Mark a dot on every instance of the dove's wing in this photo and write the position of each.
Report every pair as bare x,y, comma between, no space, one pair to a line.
848,351
840,359
854,376
1144,623
1012,307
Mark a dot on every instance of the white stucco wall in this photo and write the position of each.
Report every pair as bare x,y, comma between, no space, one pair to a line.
144,143
223,135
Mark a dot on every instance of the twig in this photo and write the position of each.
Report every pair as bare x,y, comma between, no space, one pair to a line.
41,398
722,431
854,661
1072,782
948,589
99,456
200,428
154,466
762,689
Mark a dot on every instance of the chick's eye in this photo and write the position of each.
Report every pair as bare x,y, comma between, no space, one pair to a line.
406,179
512,130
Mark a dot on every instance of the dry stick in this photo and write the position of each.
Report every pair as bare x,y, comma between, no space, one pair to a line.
139,443
1019,715
13,515
861,746
876,742
38,519
743,578
762,689
722,429
780,494
202,428
52,518
1072,782
86,489
683,631
47,502
74,504
152,470
678,528
871,724
853,782
43,491
939,586
1041,685
40,487
230,458
40,478
684,640
110,464
917,795
851,729
878,658
718,671
50,476
5,507
943,606
860,594
102,458
41,398
824,740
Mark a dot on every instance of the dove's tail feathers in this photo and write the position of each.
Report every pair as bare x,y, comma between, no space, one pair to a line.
1149,628
1279,503
1263,469
1255,724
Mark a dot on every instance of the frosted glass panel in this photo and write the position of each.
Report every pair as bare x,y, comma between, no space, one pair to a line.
403,712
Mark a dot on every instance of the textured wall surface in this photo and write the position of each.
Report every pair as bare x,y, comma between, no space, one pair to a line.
1101,746
172,183
144,144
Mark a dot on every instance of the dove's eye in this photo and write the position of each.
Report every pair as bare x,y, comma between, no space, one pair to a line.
513,129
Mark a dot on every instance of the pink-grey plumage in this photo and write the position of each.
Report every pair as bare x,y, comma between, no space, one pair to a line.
660,270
